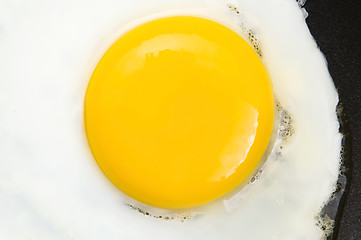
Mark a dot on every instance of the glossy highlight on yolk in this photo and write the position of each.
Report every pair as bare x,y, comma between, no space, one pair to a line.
178,112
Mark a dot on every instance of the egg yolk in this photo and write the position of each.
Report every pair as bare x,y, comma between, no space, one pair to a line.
178,112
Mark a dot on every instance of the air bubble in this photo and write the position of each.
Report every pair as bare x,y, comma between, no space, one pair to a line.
175,216
233,8
253,40
326,224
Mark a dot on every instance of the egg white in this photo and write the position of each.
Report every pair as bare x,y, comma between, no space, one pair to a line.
50,186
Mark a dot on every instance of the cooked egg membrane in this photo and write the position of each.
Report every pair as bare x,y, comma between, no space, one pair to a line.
50,185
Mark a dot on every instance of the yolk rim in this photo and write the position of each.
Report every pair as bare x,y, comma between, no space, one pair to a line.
178,112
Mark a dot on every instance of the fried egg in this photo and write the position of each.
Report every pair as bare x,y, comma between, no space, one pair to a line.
223,124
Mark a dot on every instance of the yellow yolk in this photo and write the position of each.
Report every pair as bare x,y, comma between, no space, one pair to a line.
178,112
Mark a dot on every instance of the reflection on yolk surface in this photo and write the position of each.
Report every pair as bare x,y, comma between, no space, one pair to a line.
178,112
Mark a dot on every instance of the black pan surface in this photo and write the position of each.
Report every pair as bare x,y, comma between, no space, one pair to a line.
336,26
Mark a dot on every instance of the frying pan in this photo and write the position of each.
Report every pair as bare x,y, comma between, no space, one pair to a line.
336,27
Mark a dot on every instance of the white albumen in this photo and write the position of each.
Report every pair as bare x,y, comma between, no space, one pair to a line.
50,186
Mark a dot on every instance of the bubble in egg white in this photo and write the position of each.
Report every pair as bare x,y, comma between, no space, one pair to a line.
50,186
